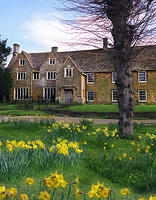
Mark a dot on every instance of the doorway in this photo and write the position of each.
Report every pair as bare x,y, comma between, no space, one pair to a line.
68,96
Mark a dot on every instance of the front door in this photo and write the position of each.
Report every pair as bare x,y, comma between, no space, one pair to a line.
68,96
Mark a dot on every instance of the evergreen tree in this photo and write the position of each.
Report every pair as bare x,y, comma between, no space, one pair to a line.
5,76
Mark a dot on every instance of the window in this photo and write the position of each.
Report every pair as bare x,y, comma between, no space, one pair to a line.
21,93
36,75
51,75
68,72
114,77
114,95
49,93
90,78
21,62
142,76
142,94
52,61
90,96
21,76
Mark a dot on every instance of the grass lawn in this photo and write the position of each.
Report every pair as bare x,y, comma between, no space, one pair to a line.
109,108
102,158
19,110
42,109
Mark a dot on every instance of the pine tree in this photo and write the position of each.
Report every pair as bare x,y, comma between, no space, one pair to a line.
5,76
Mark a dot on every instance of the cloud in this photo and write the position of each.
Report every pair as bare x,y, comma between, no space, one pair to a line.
50,30
46,31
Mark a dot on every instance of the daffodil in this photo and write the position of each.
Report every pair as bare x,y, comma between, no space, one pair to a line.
11,193
152,198
2,192
124,155
29,181
24,197
124,191
44,195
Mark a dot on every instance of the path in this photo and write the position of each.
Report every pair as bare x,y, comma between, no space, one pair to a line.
74,119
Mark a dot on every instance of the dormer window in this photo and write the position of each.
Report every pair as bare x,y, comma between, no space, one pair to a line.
21,62
52,61
36,75
68,72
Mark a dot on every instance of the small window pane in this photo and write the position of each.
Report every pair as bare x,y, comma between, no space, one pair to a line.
114,95
21,93
143,95
90,95
36,75
114,77
142,76
52,61
68,72
90,78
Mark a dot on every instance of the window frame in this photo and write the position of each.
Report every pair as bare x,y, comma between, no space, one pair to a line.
113,81
25,90
90,82
22,62
66,72
145,100
88,96
52,75
114,100
52,61
52,91
19,74
140,81
34,77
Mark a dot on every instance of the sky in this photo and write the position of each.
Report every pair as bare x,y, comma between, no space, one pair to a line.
34,25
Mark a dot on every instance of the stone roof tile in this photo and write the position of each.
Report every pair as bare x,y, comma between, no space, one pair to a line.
96,60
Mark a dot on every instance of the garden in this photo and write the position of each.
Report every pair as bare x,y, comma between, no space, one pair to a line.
66,161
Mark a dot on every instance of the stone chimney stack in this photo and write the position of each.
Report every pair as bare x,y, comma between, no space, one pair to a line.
105,43
16,49
55,49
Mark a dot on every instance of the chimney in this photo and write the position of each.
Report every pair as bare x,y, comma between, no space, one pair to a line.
55,49
105,43
15,49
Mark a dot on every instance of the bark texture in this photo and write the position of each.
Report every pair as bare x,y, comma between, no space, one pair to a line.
122,34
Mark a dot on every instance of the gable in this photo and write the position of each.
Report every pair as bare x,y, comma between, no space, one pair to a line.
51,66
15,64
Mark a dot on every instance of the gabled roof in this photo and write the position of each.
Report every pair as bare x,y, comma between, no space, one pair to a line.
96,60
12,61
36,59
90,60
72,61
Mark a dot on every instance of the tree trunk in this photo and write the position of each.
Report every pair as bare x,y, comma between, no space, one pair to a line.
125,98
122,36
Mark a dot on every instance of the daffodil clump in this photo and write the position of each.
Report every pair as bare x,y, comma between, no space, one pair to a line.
64,146
10,145
99,191
55,180
71,130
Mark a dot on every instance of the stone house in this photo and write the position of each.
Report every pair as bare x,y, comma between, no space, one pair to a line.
79,76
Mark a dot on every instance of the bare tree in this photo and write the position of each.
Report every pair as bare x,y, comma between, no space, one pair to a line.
129,21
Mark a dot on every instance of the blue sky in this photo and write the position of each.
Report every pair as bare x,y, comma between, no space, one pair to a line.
32,24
